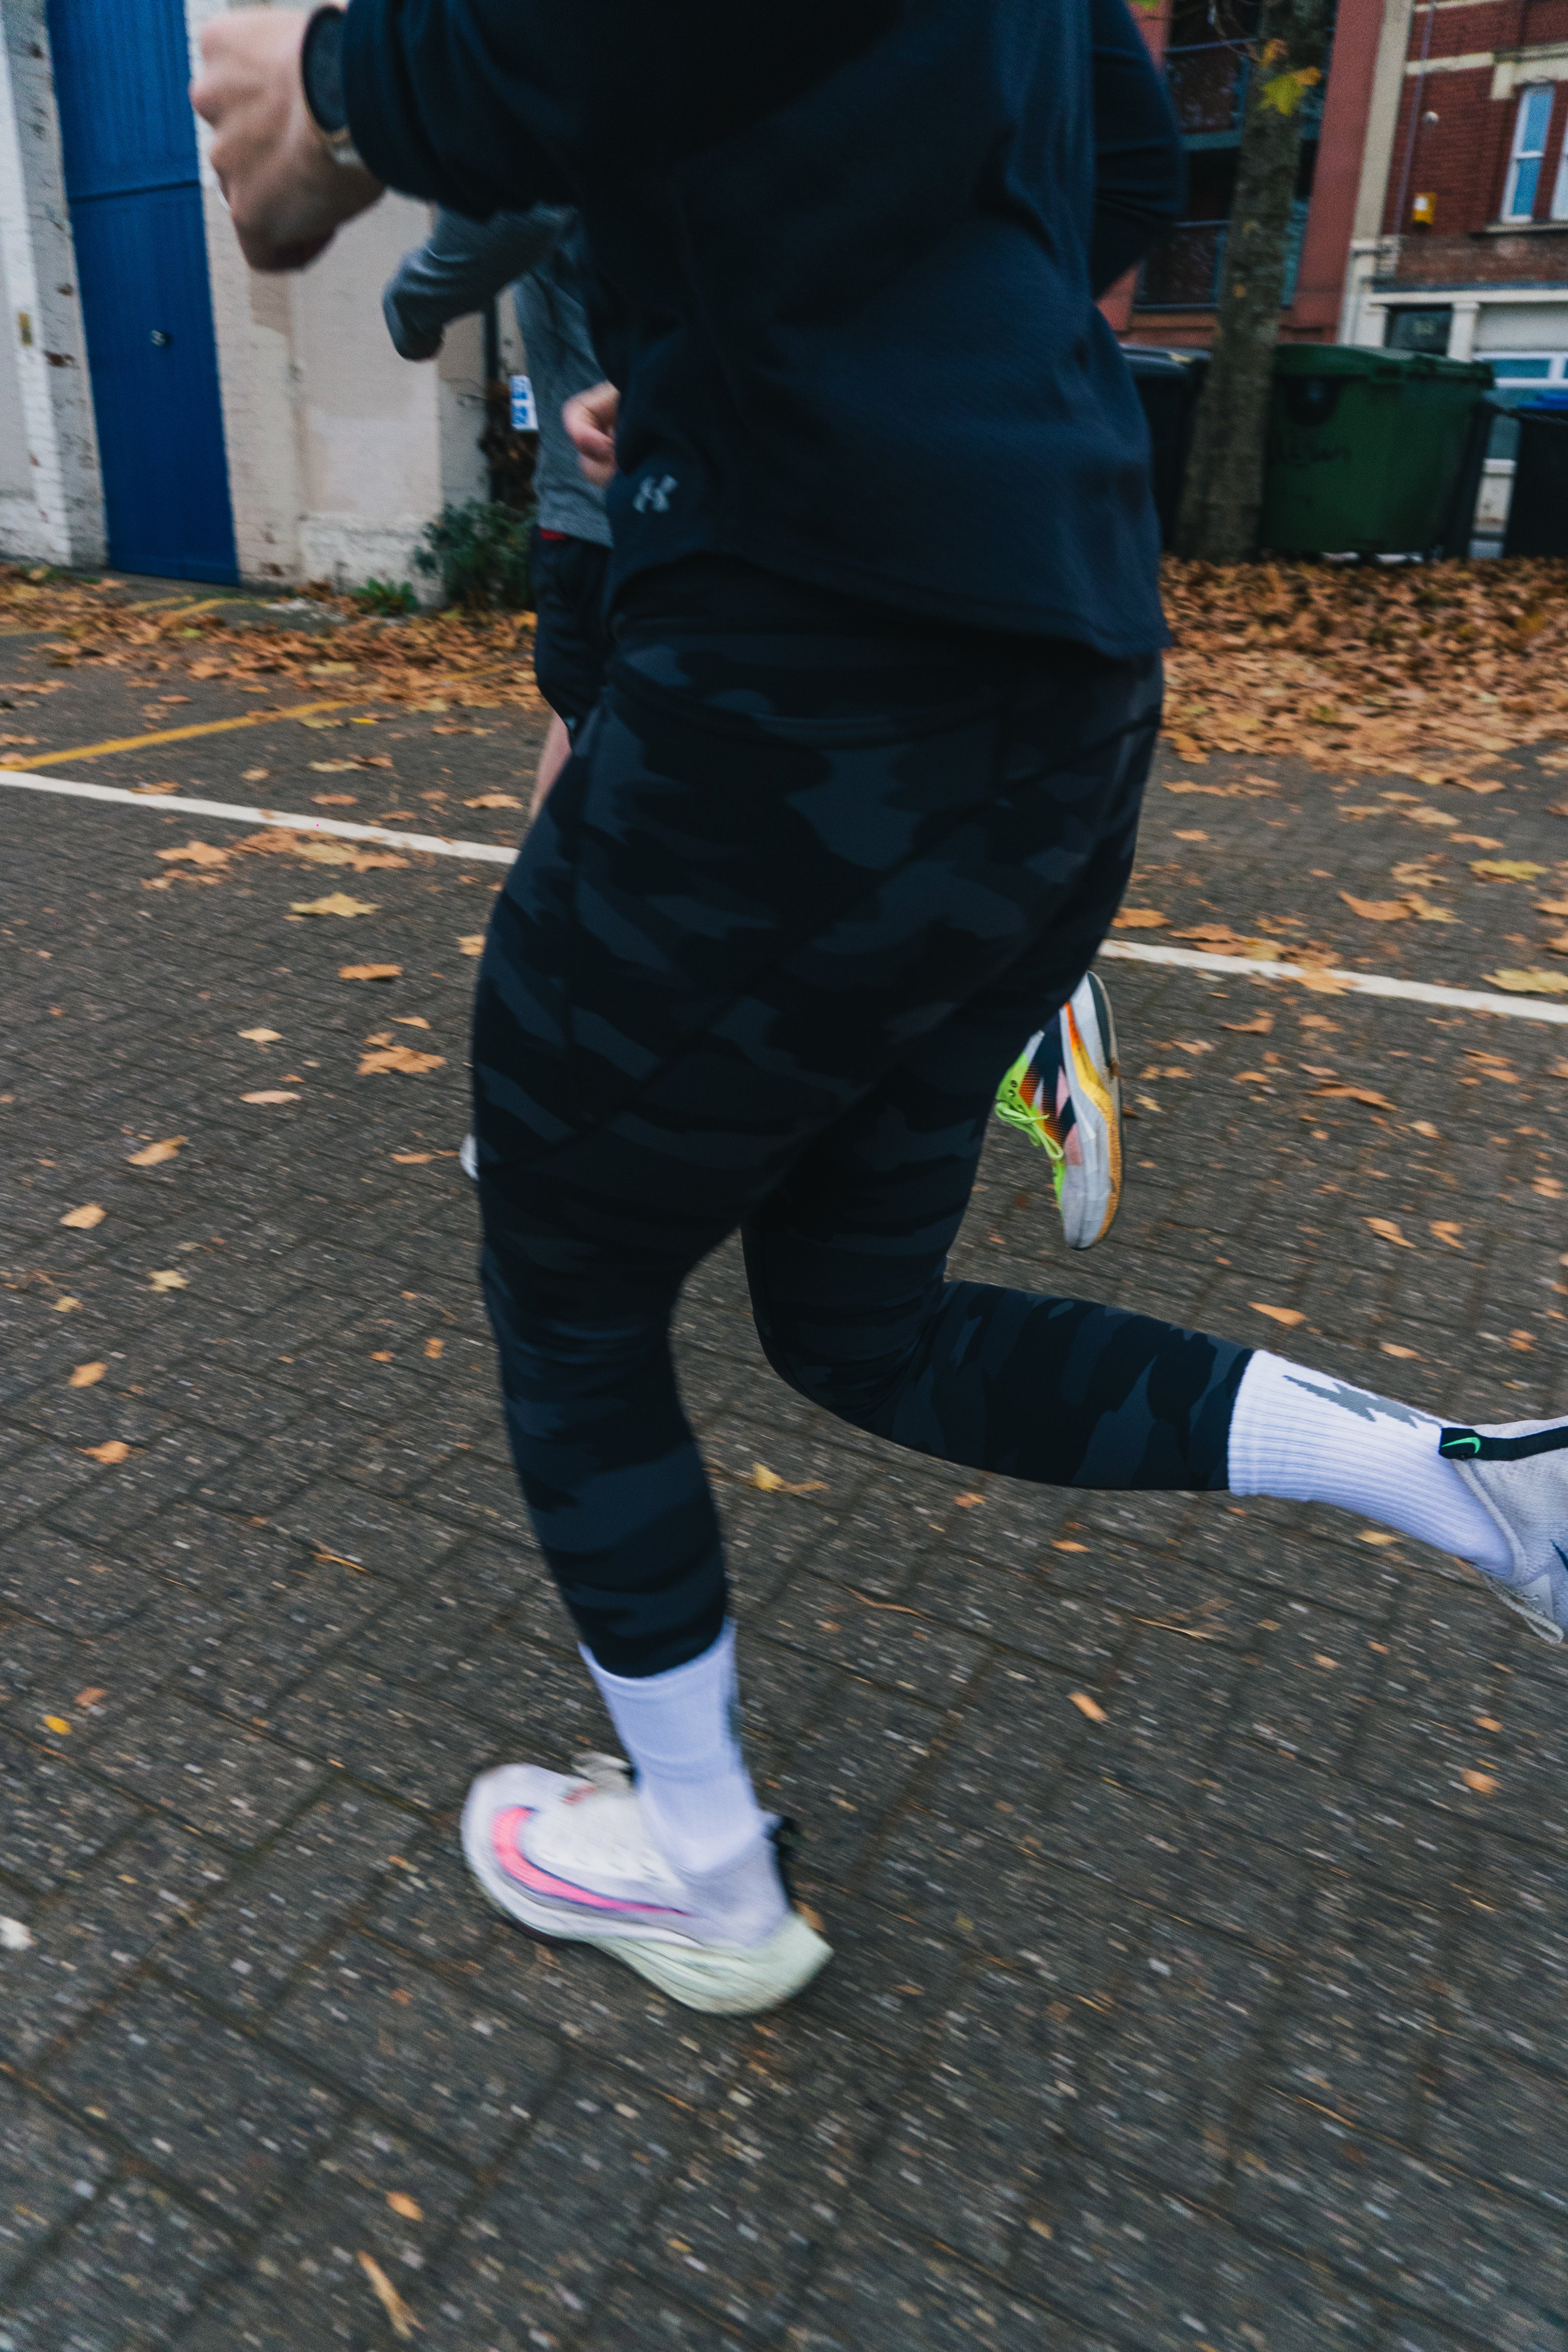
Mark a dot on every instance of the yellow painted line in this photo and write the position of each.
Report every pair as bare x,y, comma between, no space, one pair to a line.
152,604
246,719
183,734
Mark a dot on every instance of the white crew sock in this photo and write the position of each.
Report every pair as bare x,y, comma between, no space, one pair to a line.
1306,1437
681,1731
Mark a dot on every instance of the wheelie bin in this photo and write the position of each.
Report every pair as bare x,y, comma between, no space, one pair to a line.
1538,516
1168,385
1365,449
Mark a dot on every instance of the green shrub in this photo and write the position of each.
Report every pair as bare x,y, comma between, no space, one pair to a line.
479,552
388,597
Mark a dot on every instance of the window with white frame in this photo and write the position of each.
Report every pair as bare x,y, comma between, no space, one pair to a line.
1560,192
1530,126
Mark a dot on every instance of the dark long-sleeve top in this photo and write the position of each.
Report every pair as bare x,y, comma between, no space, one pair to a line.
847,254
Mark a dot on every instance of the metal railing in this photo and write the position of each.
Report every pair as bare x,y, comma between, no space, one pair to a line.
1183,273
1208,82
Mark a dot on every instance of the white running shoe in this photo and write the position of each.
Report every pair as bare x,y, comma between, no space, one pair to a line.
1518,1471
570,1858
1064,1092
468,1158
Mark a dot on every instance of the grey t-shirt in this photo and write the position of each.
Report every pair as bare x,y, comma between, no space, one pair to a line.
461,266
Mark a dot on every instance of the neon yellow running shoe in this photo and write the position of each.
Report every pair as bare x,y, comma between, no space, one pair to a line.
1064,1092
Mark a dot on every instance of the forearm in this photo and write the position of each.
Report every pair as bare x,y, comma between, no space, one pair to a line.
460,268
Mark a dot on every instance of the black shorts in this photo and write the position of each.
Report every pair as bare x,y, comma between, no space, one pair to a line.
571,642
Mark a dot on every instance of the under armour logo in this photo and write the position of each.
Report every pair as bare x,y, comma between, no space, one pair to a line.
653,497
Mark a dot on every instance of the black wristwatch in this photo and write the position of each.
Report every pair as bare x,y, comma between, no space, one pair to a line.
321,73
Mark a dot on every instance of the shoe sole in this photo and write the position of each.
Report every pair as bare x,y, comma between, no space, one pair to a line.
719,1978
1094,1081
1545,1629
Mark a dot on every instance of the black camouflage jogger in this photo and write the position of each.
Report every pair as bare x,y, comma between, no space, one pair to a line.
811,877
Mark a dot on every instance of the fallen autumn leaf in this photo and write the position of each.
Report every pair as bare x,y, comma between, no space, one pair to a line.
196,852
768,1482
1354,1094
154,1154
87,1376
402,2319
114,1450
1290,1316
1086,1706
1428,910
1377,910
370,972
1532,981
337,903
398,1057
1387,1231
82,1219
1139,919
270,1094
169,1280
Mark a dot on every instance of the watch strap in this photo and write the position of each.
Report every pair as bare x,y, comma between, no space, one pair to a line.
321,75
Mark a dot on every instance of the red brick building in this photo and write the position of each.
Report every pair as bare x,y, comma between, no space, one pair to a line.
1471,250
1432,208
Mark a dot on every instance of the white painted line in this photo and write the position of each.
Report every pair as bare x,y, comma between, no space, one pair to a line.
1363,983
433,845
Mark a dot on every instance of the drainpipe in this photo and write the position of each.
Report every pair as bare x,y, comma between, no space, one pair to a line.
1414,134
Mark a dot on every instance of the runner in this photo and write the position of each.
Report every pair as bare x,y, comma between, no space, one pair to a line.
860,799
1064,1091
459,268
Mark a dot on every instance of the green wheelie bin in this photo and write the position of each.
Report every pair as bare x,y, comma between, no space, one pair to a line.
1365,449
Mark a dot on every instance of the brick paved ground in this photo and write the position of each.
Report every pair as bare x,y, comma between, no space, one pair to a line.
1231,2020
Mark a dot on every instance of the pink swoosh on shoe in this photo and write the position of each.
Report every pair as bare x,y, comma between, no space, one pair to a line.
505,1831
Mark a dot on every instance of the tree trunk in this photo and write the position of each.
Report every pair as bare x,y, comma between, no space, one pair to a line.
1223,495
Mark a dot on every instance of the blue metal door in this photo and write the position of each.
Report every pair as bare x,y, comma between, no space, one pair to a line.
120,77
